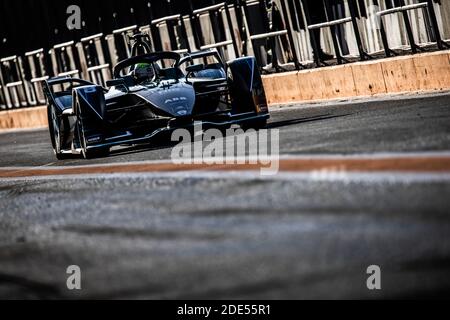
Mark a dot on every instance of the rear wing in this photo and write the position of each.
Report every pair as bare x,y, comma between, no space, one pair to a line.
61,81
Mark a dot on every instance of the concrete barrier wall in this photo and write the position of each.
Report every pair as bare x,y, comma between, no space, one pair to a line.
423,72
24,118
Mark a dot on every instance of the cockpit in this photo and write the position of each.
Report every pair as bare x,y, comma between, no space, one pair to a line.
152,69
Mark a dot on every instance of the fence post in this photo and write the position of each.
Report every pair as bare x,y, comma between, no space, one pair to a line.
287,19
434,25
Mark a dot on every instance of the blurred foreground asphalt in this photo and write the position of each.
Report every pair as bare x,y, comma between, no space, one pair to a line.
239,235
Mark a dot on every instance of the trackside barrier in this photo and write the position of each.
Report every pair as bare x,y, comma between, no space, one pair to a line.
119,47
417,73
3,101
96,53
36,72
2,96
122,48
431,24
434,26
148,32
333,27
65,60
30,118
177,33
261,35
13,83
223,29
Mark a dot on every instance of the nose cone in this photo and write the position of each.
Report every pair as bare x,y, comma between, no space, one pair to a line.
176,99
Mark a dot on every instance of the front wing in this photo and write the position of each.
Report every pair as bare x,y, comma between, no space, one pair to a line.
213,121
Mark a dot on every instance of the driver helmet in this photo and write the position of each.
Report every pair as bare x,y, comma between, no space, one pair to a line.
143,71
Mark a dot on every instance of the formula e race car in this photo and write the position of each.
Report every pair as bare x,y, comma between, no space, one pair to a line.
152,94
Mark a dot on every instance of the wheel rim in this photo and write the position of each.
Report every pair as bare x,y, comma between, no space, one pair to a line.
56,131
83,145
82,139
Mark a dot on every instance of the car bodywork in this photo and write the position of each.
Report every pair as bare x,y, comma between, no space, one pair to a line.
152,94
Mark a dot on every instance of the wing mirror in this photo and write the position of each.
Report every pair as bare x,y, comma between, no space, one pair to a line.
118,83
115,83
195,68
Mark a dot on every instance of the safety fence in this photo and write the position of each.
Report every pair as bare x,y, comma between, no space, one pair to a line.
282,34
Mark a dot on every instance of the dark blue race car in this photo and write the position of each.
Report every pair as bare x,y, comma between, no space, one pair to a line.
152,94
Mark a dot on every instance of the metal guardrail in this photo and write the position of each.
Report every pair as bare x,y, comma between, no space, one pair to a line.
333,24
282,37
96,57
13,83
220,40
37,72
403,9
177,31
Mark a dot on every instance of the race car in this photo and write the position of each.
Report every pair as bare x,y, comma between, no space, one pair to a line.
151,94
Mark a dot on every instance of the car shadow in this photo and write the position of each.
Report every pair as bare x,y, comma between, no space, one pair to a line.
291,122
136,149
160,144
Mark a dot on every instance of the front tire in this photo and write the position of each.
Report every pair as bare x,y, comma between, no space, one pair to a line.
95,154
55,133
90,153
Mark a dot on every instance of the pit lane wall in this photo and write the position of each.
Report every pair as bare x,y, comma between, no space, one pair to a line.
31,118
418,73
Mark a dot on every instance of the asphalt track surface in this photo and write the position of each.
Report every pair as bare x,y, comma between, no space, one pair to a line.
304,233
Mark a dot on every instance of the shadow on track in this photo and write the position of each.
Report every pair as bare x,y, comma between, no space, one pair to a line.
164,142
291,122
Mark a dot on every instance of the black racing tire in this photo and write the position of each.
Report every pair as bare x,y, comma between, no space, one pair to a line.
89,154
61,156
85,152
55,133
95,153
